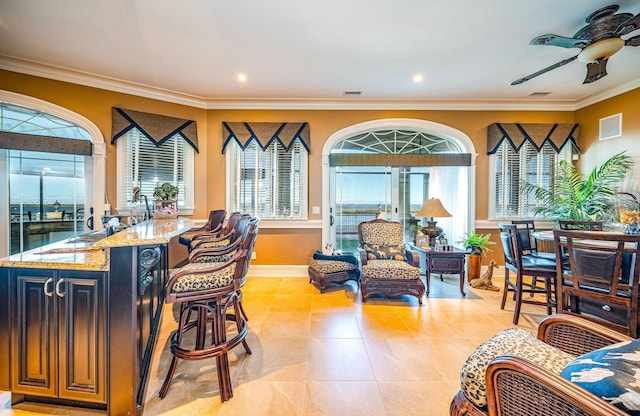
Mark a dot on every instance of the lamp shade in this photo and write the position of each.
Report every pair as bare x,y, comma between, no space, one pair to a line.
432,208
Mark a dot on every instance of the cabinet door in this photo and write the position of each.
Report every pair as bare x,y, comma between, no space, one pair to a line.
81,333
34,352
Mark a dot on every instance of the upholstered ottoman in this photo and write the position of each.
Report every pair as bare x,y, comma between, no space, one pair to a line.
328,270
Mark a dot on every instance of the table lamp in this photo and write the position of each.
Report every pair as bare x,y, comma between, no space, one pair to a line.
432,208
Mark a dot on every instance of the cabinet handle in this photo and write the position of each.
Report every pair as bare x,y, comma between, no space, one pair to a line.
48,292
58,291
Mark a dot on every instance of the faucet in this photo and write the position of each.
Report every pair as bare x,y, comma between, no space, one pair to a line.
146,204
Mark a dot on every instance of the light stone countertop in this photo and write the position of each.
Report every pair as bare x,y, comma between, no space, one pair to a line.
72,254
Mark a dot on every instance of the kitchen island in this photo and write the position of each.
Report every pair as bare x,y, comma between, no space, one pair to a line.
78,318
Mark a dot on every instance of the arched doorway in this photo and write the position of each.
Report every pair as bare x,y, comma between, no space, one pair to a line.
94,165
396,177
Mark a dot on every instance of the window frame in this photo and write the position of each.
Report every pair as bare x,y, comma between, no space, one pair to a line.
524,154
303,180
125,162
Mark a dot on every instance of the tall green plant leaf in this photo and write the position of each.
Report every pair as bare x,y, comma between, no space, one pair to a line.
575,198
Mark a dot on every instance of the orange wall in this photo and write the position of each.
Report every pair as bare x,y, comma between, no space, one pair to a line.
595,152
285,246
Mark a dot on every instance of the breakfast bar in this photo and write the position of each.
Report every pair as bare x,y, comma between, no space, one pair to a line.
78,318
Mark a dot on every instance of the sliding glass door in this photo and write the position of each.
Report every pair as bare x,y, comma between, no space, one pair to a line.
46,198
363,193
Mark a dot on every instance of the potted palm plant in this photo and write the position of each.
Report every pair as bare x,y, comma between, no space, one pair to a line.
573,197
476,246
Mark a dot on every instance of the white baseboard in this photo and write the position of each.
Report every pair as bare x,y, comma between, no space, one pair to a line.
265,270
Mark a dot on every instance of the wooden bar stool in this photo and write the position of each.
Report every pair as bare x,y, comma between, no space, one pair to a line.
209,291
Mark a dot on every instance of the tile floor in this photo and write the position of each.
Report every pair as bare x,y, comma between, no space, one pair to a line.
331,354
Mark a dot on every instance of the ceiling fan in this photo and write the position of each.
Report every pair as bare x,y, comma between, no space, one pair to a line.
599,40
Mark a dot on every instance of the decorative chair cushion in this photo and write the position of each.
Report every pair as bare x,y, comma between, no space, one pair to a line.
611,373
510,341
209,244
346,256
331,266
385,269
202,281
383,233
215,258
385,252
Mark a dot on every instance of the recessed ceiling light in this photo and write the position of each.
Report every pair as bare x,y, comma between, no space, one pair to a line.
242,77
418,78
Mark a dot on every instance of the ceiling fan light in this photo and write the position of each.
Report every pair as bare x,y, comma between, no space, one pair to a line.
601,49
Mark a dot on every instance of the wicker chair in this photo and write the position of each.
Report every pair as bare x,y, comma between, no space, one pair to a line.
387,267
516,386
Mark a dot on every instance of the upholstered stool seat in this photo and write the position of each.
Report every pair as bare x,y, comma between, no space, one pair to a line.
326,272
203,281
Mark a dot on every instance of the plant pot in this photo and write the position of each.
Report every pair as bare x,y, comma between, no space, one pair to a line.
165,209
474,266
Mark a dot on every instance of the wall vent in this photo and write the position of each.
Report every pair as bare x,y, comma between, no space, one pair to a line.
539,94
611,127
352,93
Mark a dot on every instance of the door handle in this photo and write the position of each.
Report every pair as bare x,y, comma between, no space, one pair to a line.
58,291
90,219
330,220
48,292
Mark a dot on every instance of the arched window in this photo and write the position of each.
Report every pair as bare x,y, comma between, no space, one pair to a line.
387,168
48,166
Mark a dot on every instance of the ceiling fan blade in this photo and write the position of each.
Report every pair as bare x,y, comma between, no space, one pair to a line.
633,41
557,40
542,71
596,70
629,26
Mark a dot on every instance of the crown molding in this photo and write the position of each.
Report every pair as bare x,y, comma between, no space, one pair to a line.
97,81
596,98
127,87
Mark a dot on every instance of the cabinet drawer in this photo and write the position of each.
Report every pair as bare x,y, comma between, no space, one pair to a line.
446,264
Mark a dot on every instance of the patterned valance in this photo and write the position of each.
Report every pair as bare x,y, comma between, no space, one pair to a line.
154,126
265,133
557,135
49,144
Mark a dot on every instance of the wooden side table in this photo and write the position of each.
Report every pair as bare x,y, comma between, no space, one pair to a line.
441,262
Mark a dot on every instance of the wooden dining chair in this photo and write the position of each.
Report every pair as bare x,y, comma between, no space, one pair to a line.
602,277
528,243
542,273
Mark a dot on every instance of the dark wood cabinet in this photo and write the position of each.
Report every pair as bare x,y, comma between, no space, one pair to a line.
58,340
78,327
441,262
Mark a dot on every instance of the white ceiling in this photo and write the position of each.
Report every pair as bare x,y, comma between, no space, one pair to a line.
307,53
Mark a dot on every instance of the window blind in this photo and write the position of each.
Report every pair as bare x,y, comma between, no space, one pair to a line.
512,167
270,183
148,165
